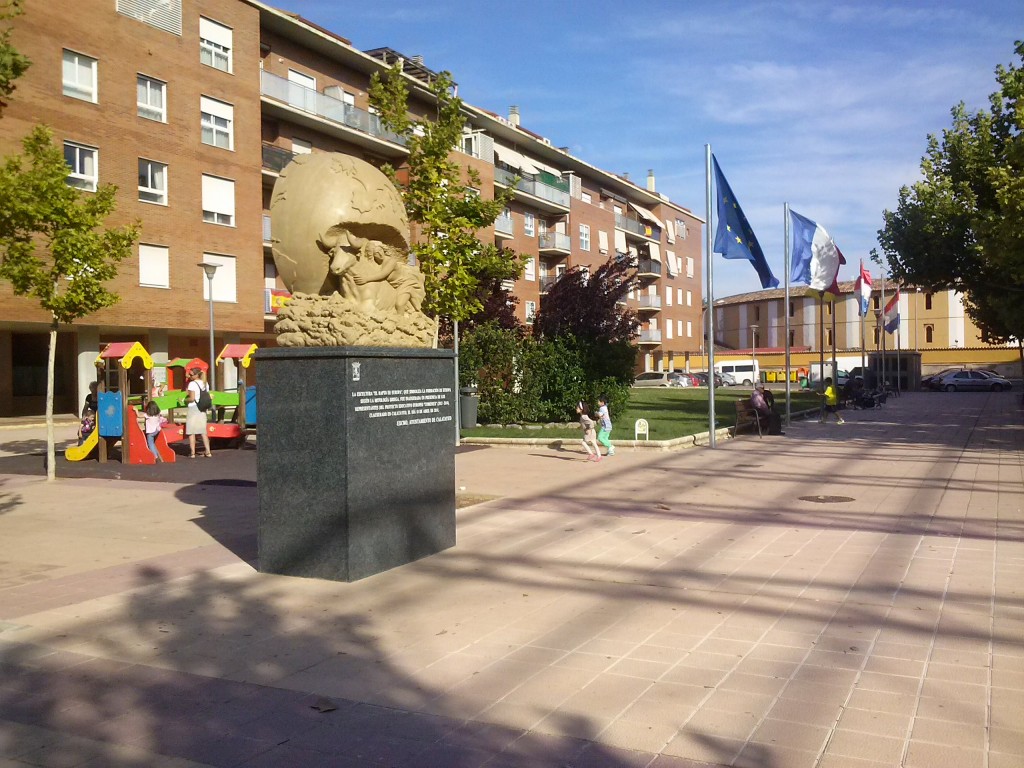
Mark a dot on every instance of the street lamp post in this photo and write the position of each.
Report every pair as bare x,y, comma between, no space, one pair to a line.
753,355
210,270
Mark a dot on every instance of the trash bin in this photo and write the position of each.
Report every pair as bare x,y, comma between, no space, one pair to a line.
468,402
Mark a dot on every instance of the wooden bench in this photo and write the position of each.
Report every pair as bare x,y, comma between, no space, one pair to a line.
746,416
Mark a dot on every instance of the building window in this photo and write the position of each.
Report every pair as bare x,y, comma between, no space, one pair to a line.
154,266
927,301
162,14
668,295
530,270
668,330
681,229
301,147
84,163
217,121
792,309
689,298
79,76
584,237
878,338
218,200
875,302
757,313
828,337
689,266
689,329
929,334
529,225
531,311
151,98
214,44
223,278
586,197
152,182
792,338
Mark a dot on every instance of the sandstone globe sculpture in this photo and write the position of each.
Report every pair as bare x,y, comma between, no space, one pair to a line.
341,246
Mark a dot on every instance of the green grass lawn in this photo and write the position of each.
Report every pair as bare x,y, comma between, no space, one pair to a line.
670,412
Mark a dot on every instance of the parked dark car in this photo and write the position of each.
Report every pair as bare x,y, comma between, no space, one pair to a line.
702,379
967,381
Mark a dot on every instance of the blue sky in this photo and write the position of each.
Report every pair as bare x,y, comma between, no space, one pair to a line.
826,106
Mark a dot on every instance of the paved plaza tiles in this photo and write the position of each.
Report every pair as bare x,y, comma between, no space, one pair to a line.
842,596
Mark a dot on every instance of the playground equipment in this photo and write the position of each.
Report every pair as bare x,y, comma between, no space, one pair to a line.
245,396
116,418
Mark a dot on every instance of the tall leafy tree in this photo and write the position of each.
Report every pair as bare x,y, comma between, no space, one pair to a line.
12,63
587,310
458,269
962,226
53,246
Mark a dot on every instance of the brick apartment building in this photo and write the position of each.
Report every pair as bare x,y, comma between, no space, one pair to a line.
193,107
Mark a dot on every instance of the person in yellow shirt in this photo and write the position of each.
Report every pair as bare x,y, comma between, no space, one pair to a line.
831,402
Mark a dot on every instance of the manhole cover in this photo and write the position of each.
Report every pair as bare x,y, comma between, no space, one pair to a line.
827,499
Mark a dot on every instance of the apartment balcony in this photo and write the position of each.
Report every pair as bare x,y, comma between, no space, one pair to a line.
547,282
649,338
266,229
275,158
536,193
648,269
503,227
326,114
554,243
637,229
274,299
649,304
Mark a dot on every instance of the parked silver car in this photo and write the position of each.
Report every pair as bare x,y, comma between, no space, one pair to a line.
966,381
662,379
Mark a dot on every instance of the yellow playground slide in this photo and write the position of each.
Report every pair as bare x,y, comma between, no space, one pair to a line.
79,452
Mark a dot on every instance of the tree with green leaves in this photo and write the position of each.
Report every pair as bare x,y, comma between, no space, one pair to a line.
459,270
12,63
53,246
962,226
588,311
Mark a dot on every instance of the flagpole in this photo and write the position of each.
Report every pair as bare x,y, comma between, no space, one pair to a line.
785,310
899,342
821,347
881,327
863,314
709,326
835,367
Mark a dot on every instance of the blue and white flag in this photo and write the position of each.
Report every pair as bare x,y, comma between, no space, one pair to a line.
815,260
734,238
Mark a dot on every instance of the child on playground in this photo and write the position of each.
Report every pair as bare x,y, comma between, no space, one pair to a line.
605,423
831,402
154,423
589,433
87,425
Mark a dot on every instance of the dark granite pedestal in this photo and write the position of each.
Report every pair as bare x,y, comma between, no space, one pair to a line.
356,459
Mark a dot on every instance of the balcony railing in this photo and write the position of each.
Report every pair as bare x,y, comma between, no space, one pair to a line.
531,187
275,158
648,268
266,228
637,227
650,337
555,241
503,225
327,107
649,302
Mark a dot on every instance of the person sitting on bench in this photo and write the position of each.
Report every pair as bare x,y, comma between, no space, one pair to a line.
766,413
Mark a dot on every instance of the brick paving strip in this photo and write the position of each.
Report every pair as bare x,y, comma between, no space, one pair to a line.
665,610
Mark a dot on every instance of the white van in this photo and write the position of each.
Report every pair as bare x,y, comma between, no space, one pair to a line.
744,373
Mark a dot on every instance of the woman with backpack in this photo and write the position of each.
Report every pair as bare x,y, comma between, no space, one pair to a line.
199,403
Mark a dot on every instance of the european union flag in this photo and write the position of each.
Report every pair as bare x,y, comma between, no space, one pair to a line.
734,238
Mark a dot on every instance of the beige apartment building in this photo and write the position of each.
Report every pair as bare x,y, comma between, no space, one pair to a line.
193,107
934,331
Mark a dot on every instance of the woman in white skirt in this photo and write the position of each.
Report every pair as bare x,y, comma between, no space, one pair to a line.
195,420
